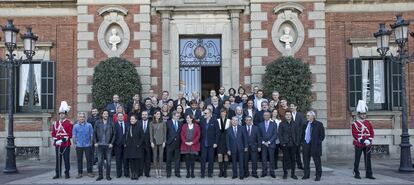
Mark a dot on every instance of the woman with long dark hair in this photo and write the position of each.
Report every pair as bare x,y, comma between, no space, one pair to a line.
133,144
190,145
158,131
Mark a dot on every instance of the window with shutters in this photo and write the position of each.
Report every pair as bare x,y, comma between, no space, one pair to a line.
34,87
375,80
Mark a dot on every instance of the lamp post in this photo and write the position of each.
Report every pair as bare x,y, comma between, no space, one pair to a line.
11,62
400,29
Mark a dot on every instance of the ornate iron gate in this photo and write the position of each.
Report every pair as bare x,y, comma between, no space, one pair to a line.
196,52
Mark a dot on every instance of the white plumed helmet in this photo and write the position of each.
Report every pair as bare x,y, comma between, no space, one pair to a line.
64,107
362,107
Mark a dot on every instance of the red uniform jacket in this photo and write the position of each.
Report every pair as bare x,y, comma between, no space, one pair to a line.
62,131
362,131
196,139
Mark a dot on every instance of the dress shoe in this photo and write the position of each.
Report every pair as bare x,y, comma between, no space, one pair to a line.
263,175
127,176
187,176
202,176
371,177
79,176
108,178
192,175
55,177
317,178
67,176
305,177
241,178
294,177
234,177
178,175
168,175
284,176
91,175
148,176
210,176
273,175
118,176
99,178
357,176
255,176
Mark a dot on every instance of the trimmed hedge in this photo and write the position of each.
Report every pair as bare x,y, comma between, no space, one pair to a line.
114,76
292,79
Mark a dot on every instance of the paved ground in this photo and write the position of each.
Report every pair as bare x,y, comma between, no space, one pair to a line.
34,172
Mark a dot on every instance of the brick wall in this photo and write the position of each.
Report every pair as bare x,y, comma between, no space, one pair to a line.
340,27
61,31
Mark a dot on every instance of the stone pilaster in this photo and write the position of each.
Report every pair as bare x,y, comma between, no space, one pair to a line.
257,16
166,51
143,54
83,54
235,44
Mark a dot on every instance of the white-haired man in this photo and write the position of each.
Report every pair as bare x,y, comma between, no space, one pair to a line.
314,134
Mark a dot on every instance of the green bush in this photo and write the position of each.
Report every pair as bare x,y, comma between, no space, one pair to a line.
292,79
114,76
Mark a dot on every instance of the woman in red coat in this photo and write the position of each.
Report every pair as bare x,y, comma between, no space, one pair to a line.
190,145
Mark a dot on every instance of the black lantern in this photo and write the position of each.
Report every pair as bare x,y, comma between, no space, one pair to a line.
29,43
400,28
383,39
10,35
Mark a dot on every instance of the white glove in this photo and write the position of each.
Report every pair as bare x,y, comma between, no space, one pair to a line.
367,142
58,142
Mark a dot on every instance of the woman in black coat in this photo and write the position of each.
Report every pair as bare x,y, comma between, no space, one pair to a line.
133,146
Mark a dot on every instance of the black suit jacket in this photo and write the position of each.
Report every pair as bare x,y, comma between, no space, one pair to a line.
197,114
236,143
270,135
210,133
173,136
317,136
285,129
299,119
253,140
146,134
119,136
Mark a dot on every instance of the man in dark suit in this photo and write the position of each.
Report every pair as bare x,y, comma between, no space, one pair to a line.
289,137
268,131
120,129
173,144
148,108
180,96
208,101
144,124
216,107
299,120
111,107
253,146
249,110
313,134
222,97
236,145
194,110
258,118
209,138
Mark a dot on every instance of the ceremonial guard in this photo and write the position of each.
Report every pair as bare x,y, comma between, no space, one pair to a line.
61,134
363,134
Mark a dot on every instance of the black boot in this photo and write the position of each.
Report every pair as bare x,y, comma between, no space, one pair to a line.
221,173
192,171
225,169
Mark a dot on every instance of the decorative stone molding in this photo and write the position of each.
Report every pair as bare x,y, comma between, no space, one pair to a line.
113,33
288,32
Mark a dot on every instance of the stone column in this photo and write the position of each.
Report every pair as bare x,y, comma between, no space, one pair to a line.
235,44
166,51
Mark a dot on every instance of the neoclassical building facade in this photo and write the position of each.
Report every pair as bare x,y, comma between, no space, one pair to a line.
188,45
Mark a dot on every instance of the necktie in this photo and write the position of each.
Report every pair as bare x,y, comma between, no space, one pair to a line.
249,130
235,131
175,125
294,116
123,127
267,125
307,133
145,126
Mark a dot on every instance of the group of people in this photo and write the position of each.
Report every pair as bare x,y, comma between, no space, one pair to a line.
230,128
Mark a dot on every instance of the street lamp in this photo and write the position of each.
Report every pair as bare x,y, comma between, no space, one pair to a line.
400,29
11,62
